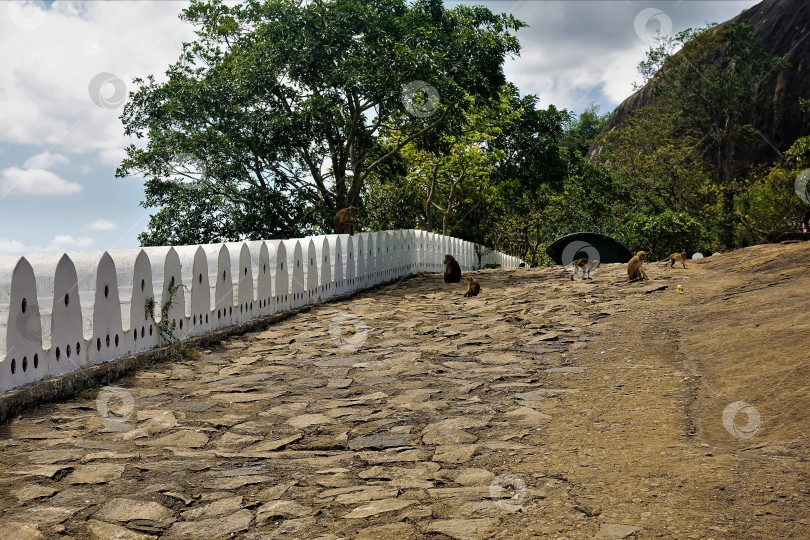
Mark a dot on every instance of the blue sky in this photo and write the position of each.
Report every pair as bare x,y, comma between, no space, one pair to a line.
65,68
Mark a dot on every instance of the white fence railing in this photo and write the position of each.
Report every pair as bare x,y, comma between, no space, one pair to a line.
59,313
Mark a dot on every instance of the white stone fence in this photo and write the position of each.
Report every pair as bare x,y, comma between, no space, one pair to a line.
59,313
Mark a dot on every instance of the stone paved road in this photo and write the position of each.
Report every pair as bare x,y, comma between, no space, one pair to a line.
533,410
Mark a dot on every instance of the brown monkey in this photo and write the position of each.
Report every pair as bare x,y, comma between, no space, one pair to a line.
635,268
586,265
473,287
452,271
676,257
344,220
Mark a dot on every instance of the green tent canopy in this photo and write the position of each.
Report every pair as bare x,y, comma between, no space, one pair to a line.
588,244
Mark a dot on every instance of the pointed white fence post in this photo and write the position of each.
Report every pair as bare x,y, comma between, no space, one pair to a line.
242,275
262,276
295,266
101,306
195,277
350,251
220,285
21,353
61,312
280,275
134,289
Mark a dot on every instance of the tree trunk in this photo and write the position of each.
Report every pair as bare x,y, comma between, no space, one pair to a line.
341,199
429,199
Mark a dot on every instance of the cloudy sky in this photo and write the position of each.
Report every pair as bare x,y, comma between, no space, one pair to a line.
65,68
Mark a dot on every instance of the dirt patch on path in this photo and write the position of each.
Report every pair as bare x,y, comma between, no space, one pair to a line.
540,409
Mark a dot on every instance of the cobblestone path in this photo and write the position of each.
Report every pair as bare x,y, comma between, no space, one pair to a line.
540,409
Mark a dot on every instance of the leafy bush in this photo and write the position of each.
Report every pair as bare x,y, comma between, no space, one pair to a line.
662,234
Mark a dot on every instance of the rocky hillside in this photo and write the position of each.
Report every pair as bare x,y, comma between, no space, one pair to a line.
784,28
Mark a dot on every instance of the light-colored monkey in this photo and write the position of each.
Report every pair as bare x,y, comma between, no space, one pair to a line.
473,287
635,268
676,257
586,265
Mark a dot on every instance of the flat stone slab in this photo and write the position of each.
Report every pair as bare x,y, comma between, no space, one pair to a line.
34,492
366,494
184,439
271,446
101,530
454,454
378,442
378,507
48,471
306,420
193,406
218,527
231,483
20,531
281,509
95,474
227,505
448,436
125,510
49,515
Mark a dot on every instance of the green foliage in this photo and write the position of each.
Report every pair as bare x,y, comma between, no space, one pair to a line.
280,113
276,112
688,154
165,326
581,133
799,152
657,154
661,234
770,206
504,149
589,199
714,81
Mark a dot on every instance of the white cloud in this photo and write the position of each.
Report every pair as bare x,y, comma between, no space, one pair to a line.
47,67
15,181
12,247
112,156
45,160
102,225
68,243
577,52
59,244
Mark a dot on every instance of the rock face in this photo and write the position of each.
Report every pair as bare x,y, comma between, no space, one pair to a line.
783,26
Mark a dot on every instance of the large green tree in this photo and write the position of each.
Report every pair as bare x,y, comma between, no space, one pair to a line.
284,104
581,132
503,152
714,84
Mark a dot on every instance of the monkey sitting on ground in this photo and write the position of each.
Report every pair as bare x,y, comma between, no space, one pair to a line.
344,220
452,271
586,265
635,268
676,257
473,287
